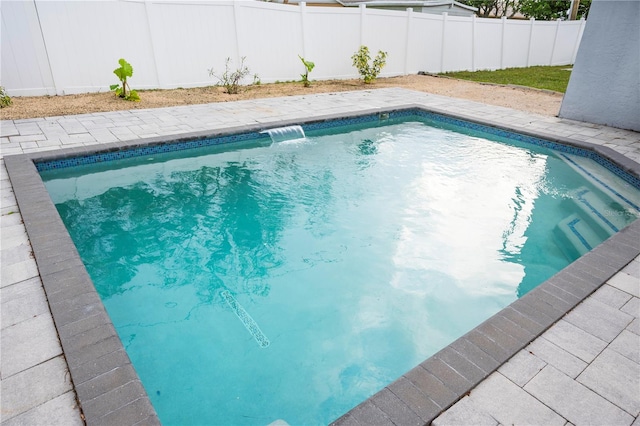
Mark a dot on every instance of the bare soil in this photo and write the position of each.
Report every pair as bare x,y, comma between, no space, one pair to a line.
519,98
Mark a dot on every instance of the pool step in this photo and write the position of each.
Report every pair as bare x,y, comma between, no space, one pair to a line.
600,214
575,236
594,221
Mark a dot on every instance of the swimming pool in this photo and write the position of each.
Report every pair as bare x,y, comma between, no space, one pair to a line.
76,310
370,158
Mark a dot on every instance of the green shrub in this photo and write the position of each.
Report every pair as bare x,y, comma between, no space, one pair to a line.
231,79
5,100
361,61
125,70
309,66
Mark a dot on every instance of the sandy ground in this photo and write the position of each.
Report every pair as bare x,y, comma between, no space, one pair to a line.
529,100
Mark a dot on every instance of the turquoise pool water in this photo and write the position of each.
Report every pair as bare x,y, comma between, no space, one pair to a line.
256,282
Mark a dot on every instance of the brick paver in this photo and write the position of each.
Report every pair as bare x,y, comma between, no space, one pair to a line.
603,391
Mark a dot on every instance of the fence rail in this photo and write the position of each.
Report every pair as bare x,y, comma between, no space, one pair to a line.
67,47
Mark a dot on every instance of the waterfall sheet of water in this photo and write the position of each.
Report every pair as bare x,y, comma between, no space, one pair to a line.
285,134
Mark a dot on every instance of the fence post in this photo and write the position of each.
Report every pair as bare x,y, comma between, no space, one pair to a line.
407,40
504,27
442,44
531,24
555,40
473,42
303,13
236,13
363,11
578,39
154,51
46,51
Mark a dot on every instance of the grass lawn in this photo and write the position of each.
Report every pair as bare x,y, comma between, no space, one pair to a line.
549,78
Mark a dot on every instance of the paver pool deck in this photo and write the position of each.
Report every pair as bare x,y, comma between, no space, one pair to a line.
583,369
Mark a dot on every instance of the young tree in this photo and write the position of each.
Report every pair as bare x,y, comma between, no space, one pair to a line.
549,10
495,8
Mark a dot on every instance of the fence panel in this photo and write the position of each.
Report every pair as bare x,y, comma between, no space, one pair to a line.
457,44
25,68
425,52
387,31
271,38
85,40
65,47
488,44
515,49
332,37
566,42
543,37
200,37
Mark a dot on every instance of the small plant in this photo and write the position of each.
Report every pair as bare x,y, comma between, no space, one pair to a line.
361,61
231,79
125,70
309,66
5,100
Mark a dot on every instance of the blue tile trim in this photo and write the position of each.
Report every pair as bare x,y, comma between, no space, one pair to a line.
102,157
556,146
572,226
322,125
595,211
603,184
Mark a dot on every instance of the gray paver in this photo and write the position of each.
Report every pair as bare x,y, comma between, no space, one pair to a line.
113,400
465,413
19,253
13,236
22,301
368,414
611,296
396,410
28,343
628,345
522,367
633,269
461,365
417,401
552,354
431,386
18,272
474,354
35,386
614,377
574,401
62,410
632,307
447,375
521,408
575,340
599,319
346,420
626,282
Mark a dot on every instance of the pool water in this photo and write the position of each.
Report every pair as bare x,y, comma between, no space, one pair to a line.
257,282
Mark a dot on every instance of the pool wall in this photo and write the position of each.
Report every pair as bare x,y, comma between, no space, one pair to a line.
109,389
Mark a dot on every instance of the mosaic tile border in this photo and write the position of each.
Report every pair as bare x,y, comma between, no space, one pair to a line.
380,117
110,392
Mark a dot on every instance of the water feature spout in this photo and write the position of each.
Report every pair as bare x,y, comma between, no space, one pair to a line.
287,133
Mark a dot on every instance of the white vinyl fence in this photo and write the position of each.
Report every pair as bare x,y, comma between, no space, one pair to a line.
66,47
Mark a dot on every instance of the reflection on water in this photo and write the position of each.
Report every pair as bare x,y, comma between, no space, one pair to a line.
331,265
212,221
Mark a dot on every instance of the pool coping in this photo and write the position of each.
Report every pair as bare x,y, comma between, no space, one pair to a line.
107,385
